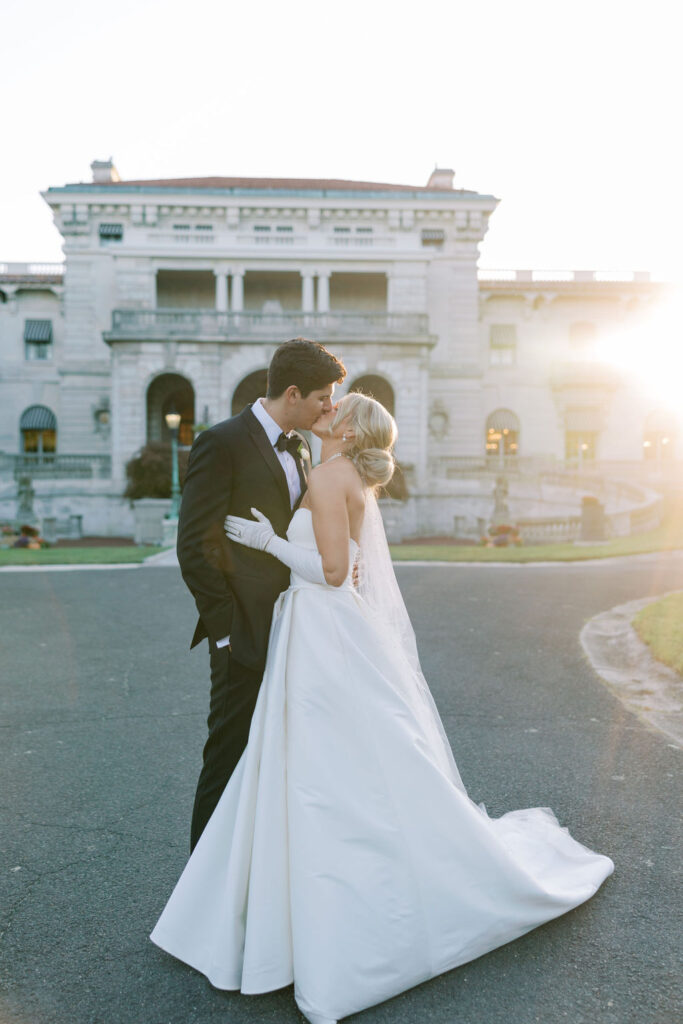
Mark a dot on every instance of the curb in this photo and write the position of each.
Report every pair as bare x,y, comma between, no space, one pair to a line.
646,687
87,566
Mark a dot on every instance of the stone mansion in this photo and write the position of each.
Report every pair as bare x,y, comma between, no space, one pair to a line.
175,293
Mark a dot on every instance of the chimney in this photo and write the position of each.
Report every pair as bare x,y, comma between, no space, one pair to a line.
104,172
441,177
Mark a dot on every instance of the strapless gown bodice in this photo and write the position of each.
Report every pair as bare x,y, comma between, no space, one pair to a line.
301,532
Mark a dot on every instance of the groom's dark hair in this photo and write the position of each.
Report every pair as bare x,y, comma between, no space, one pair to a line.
305,363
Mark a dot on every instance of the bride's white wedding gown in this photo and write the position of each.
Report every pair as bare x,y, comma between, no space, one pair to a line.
341,856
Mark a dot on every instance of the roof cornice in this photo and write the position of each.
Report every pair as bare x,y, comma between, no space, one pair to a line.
350,194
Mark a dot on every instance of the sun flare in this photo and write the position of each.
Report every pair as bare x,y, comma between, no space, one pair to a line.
650,352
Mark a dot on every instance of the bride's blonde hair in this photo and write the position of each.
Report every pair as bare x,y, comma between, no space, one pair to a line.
375,435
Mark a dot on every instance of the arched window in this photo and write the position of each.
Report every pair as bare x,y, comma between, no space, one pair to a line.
248,390
659,436
502,433
170,392
376,387
38,426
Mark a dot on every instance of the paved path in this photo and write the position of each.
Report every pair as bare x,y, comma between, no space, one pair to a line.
102,726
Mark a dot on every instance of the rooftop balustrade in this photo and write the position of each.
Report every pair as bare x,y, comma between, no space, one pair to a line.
564,276
31,269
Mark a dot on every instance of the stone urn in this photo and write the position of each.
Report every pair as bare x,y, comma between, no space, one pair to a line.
149,519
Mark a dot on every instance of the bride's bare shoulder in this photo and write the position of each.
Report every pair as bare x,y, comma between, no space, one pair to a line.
335,477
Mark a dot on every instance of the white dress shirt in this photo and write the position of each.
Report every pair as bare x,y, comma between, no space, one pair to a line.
287,461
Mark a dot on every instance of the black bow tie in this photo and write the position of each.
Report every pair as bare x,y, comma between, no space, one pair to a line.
288,444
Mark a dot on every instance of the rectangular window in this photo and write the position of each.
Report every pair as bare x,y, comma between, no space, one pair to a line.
38,340
203,227
502,345
110,233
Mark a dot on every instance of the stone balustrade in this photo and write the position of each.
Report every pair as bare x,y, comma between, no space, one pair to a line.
58,467
31,269
565,276
210,325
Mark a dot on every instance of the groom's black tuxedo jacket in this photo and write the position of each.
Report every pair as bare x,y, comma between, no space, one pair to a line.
232,468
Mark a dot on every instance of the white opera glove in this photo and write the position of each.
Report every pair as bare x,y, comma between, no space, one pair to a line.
249,533
305,562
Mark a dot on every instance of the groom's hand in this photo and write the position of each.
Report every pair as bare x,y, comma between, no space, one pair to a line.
252,534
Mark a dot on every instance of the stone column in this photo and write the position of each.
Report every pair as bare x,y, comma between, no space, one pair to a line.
307,291
237,291
221,291
324,291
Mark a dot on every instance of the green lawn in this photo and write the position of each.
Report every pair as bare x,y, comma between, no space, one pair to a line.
667,537
660,626
75,556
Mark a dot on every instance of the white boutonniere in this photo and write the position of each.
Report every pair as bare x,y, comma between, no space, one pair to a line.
303,452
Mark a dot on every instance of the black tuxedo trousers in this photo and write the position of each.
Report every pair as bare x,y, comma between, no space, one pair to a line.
232,468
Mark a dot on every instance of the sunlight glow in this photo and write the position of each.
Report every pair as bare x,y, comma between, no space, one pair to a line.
650,352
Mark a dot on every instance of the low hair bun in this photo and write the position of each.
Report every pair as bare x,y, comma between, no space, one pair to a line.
375,465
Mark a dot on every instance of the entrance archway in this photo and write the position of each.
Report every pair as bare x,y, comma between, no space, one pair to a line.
376,387
248,390
170,392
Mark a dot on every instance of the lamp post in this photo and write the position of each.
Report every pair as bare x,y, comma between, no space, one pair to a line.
661,446
173,422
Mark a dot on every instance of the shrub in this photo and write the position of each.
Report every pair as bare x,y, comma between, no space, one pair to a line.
149,472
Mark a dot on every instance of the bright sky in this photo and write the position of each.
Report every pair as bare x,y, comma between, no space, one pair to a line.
565,111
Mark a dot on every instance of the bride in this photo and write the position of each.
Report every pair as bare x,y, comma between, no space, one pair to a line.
345,854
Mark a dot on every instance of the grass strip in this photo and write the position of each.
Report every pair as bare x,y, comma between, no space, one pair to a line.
76,556
667,537
660,626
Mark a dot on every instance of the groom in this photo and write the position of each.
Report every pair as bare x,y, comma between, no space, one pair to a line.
253,459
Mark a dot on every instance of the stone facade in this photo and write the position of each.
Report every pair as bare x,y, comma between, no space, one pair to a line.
179,291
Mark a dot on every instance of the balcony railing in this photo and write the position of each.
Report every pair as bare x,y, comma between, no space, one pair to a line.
63,467
564,276
31,269
209,325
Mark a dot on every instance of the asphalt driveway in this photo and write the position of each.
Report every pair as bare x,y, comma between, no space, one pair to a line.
103,711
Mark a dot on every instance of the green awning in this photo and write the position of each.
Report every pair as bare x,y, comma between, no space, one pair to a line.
111,230
38,417
38,330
